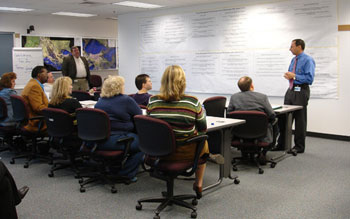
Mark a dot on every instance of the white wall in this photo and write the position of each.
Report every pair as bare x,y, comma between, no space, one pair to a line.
61,27
328,116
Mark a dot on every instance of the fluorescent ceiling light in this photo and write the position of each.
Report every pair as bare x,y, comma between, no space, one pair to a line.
74,14
138,4
15,9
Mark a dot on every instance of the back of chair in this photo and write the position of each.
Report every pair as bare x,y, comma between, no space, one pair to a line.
59,122
255,126
156,136
93,124
3,109
20,109
81,95
215,106
95,80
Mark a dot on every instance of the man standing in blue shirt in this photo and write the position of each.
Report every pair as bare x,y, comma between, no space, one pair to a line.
300,74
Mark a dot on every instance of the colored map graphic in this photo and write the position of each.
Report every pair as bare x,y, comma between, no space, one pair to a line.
54,49
99,54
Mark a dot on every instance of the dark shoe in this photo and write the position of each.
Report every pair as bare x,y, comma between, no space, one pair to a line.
298,150
23,191
217,158
262,160
198,191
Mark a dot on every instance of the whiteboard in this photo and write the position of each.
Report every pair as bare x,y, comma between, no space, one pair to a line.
24,60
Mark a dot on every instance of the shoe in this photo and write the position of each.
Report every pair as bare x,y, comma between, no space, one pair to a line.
262,160
198,191
217,158
134,179
23,191
298,150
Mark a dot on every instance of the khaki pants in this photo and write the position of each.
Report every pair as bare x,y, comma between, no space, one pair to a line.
80,84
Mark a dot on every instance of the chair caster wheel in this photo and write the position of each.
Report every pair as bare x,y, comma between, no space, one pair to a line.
139,207
82,190
294,153
114,190
237,181
234,168
273,165
26,165
81,181
12,162
50,174
194,202
156,216
194,214
261,171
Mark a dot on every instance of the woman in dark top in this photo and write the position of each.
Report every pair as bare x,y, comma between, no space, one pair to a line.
121,110
60,95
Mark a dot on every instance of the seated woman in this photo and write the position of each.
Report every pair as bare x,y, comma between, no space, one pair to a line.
121,110
7,88
60,95
185,115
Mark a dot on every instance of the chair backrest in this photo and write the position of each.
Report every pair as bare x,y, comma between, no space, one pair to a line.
255,126
93,124
59,122
81,95
95,80
156,136
3,109
215,106
20,109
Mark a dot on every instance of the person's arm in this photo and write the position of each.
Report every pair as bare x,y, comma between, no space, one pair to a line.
201,120
35,98
65,66
268,110
307,74
87,68
133,107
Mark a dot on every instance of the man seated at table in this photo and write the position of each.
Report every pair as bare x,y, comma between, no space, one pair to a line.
249,100
144,84
35,97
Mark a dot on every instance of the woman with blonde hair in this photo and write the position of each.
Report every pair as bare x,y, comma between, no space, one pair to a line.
184,114
121,110
7,88
60,95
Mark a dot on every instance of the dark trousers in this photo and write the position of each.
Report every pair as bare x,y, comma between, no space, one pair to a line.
9,196
300,98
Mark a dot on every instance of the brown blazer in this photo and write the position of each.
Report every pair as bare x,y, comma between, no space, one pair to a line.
36,100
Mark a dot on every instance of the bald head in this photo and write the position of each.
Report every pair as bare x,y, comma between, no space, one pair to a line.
245,84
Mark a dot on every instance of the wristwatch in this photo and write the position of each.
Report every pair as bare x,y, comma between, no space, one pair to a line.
294,78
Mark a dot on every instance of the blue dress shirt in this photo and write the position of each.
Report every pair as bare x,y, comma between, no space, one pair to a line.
304,70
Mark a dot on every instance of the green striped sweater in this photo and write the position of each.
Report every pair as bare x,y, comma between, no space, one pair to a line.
185,116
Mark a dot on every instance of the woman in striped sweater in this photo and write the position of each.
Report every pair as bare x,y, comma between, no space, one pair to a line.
184,114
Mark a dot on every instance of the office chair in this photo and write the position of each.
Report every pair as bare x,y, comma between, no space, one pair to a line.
21,116
6,132
96,81
157,139
215,106
247,137
94,130
81,95
61,129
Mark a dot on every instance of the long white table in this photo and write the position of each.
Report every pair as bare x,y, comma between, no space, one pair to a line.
287,111
224,125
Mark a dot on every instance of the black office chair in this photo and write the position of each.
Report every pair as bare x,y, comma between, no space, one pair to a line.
81,95
247,137
21,116
96,81
215,106
157,139
63,137
6,132
94,129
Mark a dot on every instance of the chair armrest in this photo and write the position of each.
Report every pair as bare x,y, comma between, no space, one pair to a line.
127,142
37,118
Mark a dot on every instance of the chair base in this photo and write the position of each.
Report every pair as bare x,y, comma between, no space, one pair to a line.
104,178
254,157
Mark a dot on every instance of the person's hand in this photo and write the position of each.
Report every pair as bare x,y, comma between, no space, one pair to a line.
289,75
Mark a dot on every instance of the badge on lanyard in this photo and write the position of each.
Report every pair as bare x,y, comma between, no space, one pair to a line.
297,89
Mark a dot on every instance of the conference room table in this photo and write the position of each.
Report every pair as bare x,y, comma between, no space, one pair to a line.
287,112
225,125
